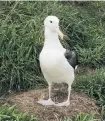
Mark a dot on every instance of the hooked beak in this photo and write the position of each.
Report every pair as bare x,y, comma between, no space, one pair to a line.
61,35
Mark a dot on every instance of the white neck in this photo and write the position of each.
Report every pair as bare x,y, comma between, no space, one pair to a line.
51,38
49,35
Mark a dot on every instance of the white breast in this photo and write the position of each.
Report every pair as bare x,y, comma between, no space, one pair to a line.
54,66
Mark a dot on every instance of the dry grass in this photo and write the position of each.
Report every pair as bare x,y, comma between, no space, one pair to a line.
27,102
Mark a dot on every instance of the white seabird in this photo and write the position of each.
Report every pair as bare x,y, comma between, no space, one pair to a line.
56,62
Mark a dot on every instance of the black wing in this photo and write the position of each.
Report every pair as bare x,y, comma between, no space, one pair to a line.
72,58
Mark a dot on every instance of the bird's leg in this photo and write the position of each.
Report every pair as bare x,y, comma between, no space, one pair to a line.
49,91
67,102
49,101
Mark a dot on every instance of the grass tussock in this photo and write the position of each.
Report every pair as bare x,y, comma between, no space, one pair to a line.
21,38
82,117
10,113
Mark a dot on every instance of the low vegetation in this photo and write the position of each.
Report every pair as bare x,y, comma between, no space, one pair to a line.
10,113
93,85
82,117
21,40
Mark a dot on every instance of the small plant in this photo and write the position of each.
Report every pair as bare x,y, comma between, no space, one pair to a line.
12,114
82,117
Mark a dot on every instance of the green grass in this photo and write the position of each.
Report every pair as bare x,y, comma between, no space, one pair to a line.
82,117
93,84
21,40
10,113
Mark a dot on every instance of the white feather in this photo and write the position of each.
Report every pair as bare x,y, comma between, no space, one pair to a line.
53,63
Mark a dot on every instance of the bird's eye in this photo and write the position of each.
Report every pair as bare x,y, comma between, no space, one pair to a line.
50,21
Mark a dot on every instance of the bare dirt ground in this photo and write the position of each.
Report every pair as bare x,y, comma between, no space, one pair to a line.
27,102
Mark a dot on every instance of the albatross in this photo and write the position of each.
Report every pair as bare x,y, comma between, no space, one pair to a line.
57,63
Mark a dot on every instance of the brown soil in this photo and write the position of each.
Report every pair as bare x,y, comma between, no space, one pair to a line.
26,102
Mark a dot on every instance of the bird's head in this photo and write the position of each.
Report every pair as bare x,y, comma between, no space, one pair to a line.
52,23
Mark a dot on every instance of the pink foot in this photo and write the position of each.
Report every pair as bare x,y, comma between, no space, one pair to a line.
66,103
46,102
